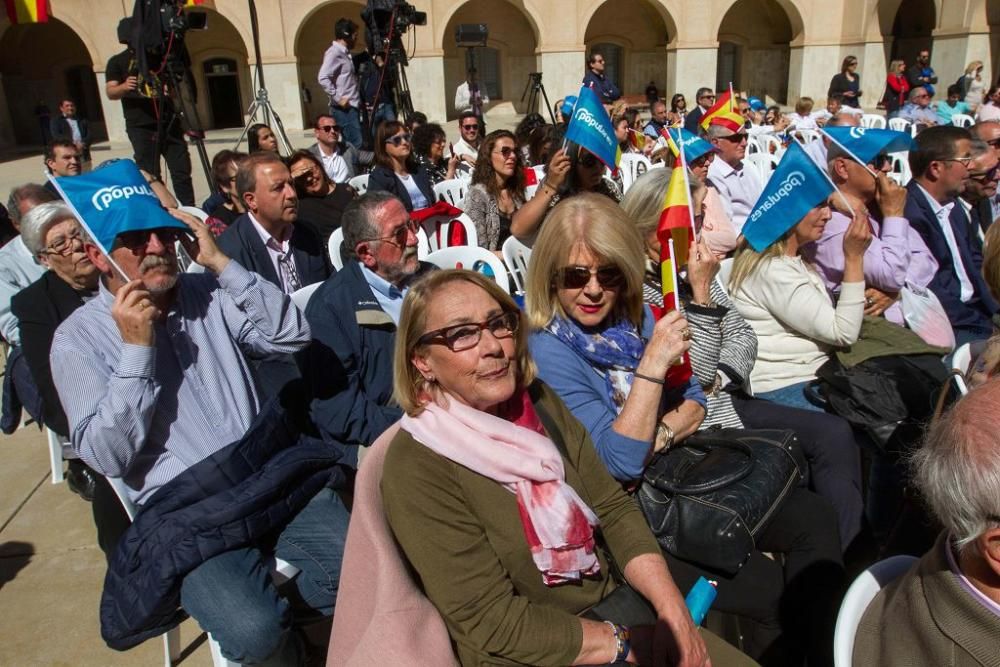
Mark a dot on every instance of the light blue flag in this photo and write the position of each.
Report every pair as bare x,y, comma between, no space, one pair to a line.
796,186
113,199
694,146
590,127
864,143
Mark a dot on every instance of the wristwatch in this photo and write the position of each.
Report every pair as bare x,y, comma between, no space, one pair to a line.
664,438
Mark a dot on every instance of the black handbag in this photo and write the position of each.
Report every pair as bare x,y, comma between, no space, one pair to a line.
709,497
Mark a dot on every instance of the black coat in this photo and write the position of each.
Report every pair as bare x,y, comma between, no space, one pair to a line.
40,308
384,179
60,129
242,243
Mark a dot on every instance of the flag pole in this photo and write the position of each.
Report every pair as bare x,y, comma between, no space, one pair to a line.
732,97
90,232
849,152
687,186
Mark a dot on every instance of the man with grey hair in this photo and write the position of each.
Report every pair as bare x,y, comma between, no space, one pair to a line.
18,267
738,187
353,317
946,609
704,99
918,110
989,131
980,189
817,150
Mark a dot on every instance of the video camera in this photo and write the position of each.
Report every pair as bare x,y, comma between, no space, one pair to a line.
386,21
156,30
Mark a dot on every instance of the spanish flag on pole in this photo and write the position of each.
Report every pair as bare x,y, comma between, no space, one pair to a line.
674,234
722,106
27,11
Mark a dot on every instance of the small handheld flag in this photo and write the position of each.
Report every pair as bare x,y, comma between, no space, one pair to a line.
864,144
694,146
796,186
28,11
113,199
636,139
590,127
722,105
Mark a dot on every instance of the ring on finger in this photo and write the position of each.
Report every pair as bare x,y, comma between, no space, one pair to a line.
869,301
685,334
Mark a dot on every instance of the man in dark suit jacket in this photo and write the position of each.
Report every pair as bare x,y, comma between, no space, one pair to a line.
54,236
70,128
980,188
940,169
704,99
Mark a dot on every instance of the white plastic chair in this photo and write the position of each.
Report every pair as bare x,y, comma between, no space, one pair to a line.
873,120
961,360
516,256
962,120
301,296
859,596
473,258
359,183
337,239
437,229
452,191
763,163
899,124
806,136
900,167
55,456
632,166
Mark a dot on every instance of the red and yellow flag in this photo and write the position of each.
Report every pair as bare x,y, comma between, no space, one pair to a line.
674,233
27,11
636,139
722,105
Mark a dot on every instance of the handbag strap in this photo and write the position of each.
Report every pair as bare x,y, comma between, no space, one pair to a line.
707,443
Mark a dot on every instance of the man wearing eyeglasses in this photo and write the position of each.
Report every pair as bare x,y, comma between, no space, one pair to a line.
154,375
354,316
467,148
705,98
980,190
989,131
918,110
597,80
940,166
339,158
739,187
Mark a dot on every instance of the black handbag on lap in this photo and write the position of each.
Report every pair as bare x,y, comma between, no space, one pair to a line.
709,497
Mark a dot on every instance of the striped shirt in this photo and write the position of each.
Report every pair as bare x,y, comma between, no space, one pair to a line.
147,414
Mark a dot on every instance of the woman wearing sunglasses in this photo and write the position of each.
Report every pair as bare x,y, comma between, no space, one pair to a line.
321,201
596,344
429,142
497,188
503,538
397,170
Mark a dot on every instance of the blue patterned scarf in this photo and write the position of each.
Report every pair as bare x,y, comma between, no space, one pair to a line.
613,352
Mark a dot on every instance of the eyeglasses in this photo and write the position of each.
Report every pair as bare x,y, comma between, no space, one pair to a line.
506,151
399,139
307,176
463,337
737,138
707,97
137,239
985,176
329,128
576,277
474,126
881,160
964,161
588,160
400,235
64,245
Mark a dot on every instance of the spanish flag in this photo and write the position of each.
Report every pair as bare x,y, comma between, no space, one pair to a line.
674,234
722,105
28,11
197,3
636,139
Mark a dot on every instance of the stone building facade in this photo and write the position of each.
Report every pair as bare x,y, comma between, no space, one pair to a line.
781,49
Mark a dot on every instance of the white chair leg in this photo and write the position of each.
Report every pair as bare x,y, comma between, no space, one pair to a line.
219,660
171,647
55,456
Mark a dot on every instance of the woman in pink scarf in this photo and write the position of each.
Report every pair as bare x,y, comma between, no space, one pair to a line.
496,497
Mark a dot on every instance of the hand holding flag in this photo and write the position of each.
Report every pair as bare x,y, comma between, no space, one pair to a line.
590,127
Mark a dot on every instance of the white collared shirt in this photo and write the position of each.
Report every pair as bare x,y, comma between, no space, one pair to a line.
941,212
279,250
74,128
738,189
334,165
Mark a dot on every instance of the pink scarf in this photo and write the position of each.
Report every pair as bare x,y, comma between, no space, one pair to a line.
558,525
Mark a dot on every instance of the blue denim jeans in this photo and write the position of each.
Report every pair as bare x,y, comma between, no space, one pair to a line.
793,396
385,111
349,120
233,598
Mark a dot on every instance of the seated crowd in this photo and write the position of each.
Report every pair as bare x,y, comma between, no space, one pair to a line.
507,436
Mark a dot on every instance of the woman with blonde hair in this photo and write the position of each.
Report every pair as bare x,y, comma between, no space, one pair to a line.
510,497
897,88
972,85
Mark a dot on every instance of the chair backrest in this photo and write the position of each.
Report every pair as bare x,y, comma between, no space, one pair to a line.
195,211
438,230
873,120
632,166
961,360
473,258
962,120
900,167
359,183
764,163
452,191
337,240
516,256
806,136
300,297
899,124
859,596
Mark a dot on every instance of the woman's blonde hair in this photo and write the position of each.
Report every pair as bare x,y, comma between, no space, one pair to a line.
894,65
409,388
747,260
973,66
601,226
643,203
991,260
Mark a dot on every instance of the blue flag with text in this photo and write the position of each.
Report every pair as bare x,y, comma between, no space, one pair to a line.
796,186
694,146
113,199
865,143
590,127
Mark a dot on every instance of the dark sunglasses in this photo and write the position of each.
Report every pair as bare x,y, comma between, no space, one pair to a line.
398,139
329,128
474,126
881,160
140,238
588,160
735,138
986,176
575,277
506,151
466,336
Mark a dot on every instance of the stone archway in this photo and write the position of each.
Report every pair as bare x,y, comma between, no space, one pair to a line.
220,92
755,49
635,34
35,79
909,28
313,39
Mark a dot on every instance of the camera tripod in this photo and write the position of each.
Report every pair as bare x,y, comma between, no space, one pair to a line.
261,102
534,87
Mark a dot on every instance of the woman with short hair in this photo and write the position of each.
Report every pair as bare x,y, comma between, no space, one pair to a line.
429,141
321,201
397,170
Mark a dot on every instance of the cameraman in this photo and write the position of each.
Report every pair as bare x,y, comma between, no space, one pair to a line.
147,110
338,79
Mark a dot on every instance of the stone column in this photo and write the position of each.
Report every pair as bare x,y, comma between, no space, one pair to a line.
114,117
562,72
874,68
7,139
810,70
282,79
425,74
952,51
690,68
